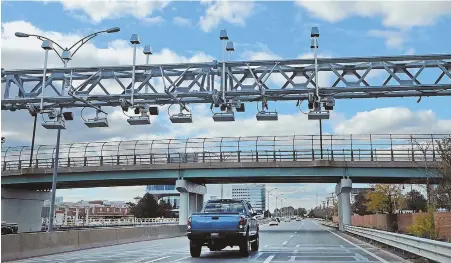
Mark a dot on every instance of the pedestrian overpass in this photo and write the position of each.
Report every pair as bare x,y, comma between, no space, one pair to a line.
191,163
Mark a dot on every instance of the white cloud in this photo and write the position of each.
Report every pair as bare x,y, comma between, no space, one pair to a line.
393,38
234,12
398,14
393,120
181,21
97,11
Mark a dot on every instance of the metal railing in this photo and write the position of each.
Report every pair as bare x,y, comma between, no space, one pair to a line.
373,147
96,222
431,249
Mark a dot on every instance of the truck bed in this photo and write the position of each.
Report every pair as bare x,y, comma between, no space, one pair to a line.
215,222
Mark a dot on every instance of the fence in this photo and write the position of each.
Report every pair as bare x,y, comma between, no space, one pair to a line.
375,147
402,222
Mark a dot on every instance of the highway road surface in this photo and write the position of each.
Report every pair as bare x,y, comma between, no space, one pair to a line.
294,241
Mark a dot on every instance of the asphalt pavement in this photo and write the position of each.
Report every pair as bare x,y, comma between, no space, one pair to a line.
295,241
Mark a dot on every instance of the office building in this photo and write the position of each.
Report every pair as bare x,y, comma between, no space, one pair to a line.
253,193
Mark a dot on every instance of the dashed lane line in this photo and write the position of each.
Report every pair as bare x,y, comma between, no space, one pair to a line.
357,246
284,243
267,260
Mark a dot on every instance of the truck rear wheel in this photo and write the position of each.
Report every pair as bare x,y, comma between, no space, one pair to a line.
255,244
195,249
245,246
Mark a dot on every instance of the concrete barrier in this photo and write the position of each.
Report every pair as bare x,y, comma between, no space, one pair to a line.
25,245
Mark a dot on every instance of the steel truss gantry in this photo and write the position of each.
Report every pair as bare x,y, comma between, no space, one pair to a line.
245,81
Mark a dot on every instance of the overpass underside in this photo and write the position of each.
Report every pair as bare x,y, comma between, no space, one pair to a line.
319,171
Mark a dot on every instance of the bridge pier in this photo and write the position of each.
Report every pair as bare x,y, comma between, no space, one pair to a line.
343,192
23,207
191,199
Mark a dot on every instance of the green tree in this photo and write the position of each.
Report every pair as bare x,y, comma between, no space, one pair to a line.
267,214
146,207
416,201
164,209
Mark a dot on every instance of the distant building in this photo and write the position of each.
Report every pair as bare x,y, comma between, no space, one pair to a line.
253,193
167,193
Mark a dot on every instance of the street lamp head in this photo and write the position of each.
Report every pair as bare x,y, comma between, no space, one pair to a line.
66,55
113,30
47,45
229,46
314,32
20,34
223,35
147,50
134,39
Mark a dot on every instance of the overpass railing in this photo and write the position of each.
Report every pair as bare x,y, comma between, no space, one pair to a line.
373,147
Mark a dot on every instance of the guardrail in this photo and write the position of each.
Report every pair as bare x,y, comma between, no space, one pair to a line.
430,249
372,147
70,223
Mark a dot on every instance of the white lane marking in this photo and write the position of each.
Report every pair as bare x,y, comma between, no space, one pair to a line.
284,243
357,246
298,245
181,259
156,259
269,259
292,236
266,245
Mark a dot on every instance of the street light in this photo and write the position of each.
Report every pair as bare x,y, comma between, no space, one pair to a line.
269,191
66,56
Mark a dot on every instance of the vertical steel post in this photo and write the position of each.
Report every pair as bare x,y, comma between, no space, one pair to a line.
43,78
32,140
133,74
55,168
321,138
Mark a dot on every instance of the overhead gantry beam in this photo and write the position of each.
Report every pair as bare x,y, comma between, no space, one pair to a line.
246,81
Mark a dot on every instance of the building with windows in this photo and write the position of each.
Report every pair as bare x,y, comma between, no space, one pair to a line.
253,193
167,193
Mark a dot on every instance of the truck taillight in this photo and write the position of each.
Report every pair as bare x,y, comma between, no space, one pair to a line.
188,223
242,222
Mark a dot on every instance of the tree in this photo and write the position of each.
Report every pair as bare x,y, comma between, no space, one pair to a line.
444,187
267,214
385,198
360,204
415,201
301,211
146,207
164,209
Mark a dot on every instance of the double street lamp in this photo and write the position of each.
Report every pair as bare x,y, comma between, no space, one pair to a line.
65,55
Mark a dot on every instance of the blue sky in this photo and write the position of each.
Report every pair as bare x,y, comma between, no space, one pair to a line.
188,31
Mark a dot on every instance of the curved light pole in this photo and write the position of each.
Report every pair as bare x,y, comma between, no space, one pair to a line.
65,56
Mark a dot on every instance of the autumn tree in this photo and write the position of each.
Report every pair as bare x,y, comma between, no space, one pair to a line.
385,198
444,187
360,204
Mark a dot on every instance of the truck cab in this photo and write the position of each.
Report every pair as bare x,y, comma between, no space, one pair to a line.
222,223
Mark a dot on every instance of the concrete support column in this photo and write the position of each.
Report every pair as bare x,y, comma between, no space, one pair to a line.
191,195
23,207
343,191
183,208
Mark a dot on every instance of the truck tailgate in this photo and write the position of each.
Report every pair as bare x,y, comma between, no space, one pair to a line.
220,222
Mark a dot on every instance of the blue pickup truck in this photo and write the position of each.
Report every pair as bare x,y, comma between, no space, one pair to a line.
222,223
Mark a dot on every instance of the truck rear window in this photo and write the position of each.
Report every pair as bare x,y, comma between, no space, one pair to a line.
224,207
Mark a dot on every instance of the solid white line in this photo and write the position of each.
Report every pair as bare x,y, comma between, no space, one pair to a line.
181,259
269,259
366,251
157,259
